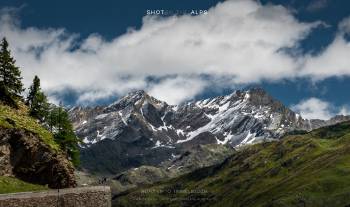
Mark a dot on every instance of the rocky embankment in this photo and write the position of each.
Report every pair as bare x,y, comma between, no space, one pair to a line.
25,156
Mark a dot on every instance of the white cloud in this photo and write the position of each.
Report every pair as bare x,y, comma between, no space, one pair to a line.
239,41
334,60
314,108
177,90
344,110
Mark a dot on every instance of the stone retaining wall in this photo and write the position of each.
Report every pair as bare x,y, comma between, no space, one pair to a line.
97,196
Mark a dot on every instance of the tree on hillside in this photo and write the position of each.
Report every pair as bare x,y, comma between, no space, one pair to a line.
51,116
37,101
64,135
10,76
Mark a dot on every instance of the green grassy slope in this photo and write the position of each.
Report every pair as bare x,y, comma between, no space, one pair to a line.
11,118
301,170
14,185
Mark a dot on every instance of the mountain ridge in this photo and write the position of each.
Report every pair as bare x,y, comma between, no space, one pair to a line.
142,123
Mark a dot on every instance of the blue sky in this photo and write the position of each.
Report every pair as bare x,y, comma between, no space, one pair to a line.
314,86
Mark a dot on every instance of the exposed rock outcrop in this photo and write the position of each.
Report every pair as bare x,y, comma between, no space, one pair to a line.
24,155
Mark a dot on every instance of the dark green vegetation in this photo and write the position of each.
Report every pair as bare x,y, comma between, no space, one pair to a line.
37,101
11,85
312,169
13,185
64,134
49,116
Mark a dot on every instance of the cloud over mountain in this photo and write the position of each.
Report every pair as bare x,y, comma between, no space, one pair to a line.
240,42
314,108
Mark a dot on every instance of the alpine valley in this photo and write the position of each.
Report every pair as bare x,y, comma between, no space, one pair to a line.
140,140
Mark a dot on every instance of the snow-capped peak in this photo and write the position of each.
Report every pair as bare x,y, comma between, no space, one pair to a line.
242,117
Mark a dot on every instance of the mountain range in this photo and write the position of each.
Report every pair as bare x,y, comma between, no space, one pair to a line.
140,130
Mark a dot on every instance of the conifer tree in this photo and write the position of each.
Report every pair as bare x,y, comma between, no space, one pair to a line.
10,75
63,132
37,101
33,90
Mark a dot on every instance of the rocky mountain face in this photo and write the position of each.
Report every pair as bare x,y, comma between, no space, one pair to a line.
141,130
25,156
198,157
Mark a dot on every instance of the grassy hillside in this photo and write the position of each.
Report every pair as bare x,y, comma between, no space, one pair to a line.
14,185
11,118
312,169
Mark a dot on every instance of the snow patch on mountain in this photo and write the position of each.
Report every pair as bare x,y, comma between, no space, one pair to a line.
240,118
